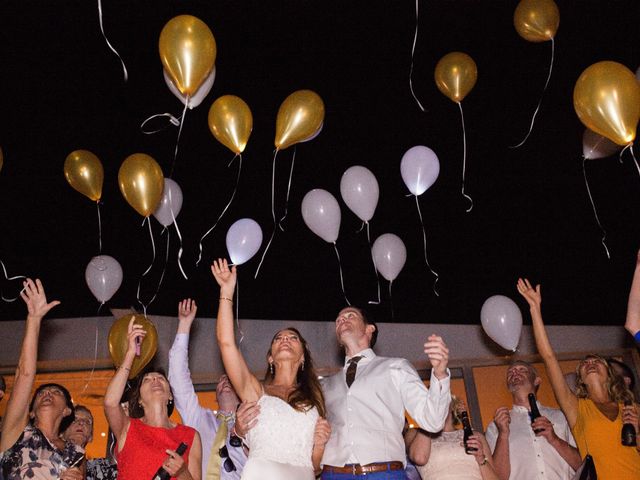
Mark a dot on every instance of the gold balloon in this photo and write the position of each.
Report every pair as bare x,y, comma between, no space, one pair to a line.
84,172
300,116
456,74
231,122
141,183
536,20
607,100
119,342
188,52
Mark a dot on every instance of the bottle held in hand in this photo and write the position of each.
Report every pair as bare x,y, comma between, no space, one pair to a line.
628,431
535,412
466,425
162,474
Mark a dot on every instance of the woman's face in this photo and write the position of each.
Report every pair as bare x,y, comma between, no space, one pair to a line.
154,385
51,399
287,345
591,367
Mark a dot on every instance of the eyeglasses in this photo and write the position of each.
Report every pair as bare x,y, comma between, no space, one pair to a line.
235,441
83,421
228,463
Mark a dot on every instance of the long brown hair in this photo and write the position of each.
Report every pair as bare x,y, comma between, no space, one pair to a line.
308,393
616,388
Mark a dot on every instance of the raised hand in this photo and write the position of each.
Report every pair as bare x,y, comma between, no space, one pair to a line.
533,296
502,420
35,298
438,354
187,310
134,332
225,277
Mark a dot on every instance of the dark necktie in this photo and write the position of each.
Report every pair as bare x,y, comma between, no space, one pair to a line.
351,369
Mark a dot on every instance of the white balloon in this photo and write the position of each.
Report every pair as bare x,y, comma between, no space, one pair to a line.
321,213
171,200
360,191
502,321
314,134
243,240
103,276
596,146
389,254
419,168
197,98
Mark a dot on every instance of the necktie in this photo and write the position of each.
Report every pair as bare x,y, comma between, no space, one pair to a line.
213,466
351,369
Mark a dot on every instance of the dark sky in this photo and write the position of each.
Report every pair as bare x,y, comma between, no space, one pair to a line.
62,89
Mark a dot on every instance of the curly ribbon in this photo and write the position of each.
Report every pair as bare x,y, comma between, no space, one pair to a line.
175,224
172,121
375,268
630,147
273,212
95,361
7,278
238,312
175,152
225,208
413,50
424,243
286,202
593,206
153,248
393,316
99,227
341,279
464,158
533,118
124,67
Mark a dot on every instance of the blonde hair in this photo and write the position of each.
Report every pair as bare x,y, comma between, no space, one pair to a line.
615,385
453,408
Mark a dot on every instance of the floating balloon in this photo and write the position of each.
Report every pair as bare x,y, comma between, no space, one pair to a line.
419,169
188,52
314,135
231,122
360,191
141,183
118,342
104,277
84,172
170,203
243,240
607,100
300,117
390,255
502,321
321,213
456,74
596,146
536,20
197,98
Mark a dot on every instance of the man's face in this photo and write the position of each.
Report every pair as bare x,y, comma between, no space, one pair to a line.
227,399
80,432
521,377
350,325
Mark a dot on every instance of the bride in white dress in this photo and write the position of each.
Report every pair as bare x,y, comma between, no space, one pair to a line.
288,441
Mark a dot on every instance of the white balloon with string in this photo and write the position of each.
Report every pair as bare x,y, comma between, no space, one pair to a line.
103,276
167,213
199,95
502,321
389,255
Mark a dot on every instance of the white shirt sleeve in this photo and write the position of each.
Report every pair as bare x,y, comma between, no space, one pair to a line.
492,435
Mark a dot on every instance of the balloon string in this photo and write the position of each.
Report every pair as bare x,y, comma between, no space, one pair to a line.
286,202
238,312
225,208
375,268
413,49
95,361
393,316
175,223
172,120
99,227
124,67
630,147
273,213
17,277
153,248
464,158
175,152
593,206
533,118
341,279
424,243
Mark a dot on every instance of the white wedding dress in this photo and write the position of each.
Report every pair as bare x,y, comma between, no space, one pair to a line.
280,444
448,460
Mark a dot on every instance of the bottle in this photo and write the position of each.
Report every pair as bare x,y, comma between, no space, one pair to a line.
628,431
535,412
162,474
464,418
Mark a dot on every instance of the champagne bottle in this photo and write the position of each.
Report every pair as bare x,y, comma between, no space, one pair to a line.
162,474
464,418
628,431
535,412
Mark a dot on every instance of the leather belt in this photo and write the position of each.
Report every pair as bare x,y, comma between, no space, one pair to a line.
357,469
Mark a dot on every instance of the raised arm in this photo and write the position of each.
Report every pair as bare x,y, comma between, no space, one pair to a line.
632,323
245,384
566,399
17,413
118,420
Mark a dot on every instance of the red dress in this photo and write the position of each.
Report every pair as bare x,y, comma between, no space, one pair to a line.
145,448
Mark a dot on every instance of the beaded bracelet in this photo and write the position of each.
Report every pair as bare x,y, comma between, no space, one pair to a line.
227,299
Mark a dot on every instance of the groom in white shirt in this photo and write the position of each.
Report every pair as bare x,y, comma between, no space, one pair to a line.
366,403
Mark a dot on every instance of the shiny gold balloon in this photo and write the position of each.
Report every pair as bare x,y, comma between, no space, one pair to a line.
300,116
188,52
536,20
84,172
141,183
231,122
456,74
607,100
119,342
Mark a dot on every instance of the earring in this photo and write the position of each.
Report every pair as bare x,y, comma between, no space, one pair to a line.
302,367
271,368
